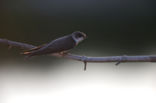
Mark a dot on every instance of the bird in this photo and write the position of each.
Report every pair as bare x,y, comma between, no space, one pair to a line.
60,45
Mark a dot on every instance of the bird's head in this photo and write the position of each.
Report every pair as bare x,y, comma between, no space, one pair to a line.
78,36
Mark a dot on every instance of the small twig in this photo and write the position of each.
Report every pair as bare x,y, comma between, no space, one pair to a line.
85,62
85,65
122,58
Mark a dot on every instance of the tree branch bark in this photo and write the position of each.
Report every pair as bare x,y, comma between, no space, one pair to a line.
85,59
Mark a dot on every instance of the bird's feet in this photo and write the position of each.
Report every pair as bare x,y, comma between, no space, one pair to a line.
60,54
63,53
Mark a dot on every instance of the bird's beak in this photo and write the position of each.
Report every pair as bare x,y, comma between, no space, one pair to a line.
85,36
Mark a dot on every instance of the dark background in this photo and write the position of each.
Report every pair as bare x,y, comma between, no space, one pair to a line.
114,27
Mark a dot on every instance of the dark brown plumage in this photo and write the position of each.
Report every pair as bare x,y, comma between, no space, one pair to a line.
61,44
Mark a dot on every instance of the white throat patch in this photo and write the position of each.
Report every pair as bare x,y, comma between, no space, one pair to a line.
77,40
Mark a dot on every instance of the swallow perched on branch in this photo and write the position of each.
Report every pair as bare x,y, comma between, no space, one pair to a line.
59,45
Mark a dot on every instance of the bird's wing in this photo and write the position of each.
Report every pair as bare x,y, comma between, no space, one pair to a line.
57,45
33,49
41,49
36,48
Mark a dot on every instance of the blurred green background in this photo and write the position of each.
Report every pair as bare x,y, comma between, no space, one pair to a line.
114,27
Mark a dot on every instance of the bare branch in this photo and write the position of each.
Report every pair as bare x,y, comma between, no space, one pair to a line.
16,44
85,59
113,58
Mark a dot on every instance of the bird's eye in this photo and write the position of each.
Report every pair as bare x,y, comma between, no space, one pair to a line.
78,36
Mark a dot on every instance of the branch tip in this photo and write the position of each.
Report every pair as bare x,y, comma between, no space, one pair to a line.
85,65
118,63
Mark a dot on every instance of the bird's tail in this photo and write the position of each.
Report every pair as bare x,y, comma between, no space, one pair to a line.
27,54
30,52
